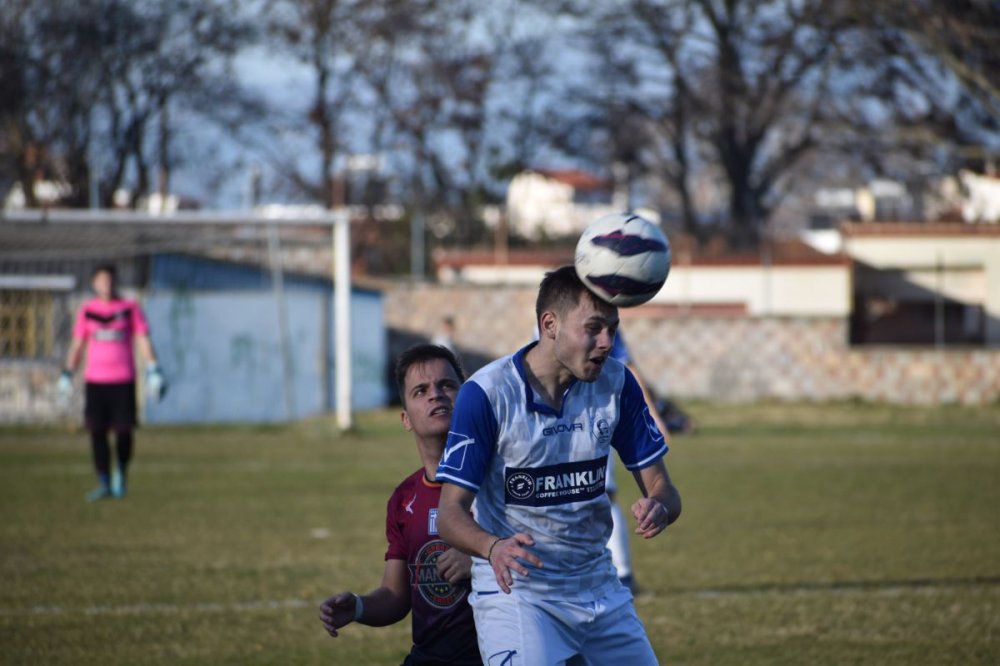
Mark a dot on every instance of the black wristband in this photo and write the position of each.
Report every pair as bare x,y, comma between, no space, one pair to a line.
489,553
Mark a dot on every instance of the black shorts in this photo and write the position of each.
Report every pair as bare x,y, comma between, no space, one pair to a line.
110,406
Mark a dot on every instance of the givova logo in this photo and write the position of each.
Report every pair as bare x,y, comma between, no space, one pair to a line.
561,428
555,484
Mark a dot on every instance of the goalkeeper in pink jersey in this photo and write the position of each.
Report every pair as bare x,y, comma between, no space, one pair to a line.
107,326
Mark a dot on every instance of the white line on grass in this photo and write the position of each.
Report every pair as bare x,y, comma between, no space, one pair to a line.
990,585
878,588
147,609
168,467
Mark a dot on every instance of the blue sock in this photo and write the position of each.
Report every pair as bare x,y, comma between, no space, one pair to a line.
118,483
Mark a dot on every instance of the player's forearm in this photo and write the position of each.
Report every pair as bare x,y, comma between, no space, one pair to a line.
458,528
146,348
655,483
73,355
382,607
670,498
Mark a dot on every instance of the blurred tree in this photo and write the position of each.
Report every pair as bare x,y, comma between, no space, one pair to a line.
527,71
692,87
764,97
163,56
48,84
422,84
330,38
935,67
97,78
438,83
745,98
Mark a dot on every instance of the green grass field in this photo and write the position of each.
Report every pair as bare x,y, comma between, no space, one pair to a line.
811,534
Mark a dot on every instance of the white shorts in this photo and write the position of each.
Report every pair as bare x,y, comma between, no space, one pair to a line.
516,630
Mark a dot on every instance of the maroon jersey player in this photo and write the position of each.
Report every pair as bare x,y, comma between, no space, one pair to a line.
422,573
442,617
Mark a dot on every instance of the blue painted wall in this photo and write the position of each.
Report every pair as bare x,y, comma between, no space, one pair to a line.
215,327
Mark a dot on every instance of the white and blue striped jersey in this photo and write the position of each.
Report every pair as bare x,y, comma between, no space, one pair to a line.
541,471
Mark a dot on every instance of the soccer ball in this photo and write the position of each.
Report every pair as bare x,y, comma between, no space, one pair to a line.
623,259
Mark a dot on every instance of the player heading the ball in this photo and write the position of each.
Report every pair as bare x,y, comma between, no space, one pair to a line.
529,443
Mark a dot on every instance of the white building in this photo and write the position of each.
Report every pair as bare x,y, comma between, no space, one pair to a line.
560,203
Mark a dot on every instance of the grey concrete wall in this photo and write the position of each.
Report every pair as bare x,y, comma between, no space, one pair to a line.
723,357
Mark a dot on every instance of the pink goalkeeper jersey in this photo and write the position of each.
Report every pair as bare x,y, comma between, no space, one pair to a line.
108,328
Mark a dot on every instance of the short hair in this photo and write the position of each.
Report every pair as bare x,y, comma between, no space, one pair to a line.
560,290
105,268
422,353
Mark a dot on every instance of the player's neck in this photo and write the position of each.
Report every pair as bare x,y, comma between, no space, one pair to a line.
430,450
548,379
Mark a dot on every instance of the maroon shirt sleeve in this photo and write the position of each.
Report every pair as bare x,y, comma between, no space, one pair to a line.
397,549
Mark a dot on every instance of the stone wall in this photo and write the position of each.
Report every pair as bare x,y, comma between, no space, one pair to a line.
28,394
713,357
489,321
744,358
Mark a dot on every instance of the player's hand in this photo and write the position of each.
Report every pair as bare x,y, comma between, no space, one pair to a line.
652,516
156,383
337,611
453,565
64,387
505,556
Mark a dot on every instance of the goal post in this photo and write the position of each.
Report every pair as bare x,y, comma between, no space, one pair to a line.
37,239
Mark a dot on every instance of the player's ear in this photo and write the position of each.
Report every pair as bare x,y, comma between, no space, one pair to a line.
547,324
405,418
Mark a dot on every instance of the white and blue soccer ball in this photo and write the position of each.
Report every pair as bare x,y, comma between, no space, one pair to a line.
623,258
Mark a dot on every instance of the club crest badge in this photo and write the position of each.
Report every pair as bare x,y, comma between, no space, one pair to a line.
425,577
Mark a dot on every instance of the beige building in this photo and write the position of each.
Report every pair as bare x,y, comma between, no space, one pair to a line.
926,283
793,281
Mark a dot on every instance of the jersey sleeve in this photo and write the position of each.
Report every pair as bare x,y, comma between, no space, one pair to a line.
139,324
471,440
636,438
393,530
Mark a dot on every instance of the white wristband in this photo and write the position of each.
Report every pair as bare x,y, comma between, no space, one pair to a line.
666,512
359,608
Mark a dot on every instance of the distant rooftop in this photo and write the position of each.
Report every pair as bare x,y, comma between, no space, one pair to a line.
577,179
918,229
787,252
